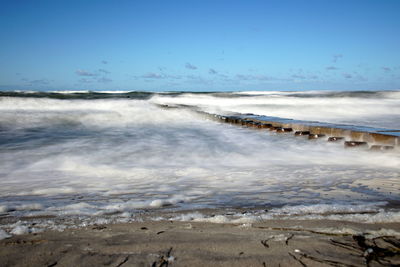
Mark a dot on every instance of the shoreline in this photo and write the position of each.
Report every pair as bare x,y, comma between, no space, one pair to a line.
119,181
163,243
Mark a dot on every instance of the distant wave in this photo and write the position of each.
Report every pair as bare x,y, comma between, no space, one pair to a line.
146,95
358,94
78,94
380,109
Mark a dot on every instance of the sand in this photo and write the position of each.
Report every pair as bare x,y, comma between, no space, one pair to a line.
171,243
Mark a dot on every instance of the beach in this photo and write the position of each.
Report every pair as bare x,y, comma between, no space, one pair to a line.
172,243
139,179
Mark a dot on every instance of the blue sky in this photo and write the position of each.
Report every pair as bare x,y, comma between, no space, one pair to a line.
200,45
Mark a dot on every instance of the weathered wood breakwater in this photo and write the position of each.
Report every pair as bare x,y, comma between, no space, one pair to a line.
375,139
351,136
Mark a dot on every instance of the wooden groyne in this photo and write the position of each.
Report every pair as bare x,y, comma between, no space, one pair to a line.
349,135
376,139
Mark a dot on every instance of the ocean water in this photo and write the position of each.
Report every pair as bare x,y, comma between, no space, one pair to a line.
79,158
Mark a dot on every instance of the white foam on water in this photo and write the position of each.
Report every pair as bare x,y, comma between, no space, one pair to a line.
117,157
4,234
44,112
371,212
23,207
199,217
363,212
327,209
380,217
71,91
383,110
279,92
20,230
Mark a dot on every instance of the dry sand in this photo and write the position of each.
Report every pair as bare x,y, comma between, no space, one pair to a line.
168,243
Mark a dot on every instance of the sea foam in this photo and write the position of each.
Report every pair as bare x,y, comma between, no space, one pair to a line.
115,159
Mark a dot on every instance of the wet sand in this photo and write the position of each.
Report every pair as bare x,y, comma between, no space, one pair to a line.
171,243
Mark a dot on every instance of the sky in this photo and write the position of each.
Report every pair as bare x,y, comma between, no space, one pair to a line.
202,45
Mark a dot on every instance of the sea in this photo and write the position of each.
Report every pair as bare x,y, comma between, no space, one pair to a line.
78,158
